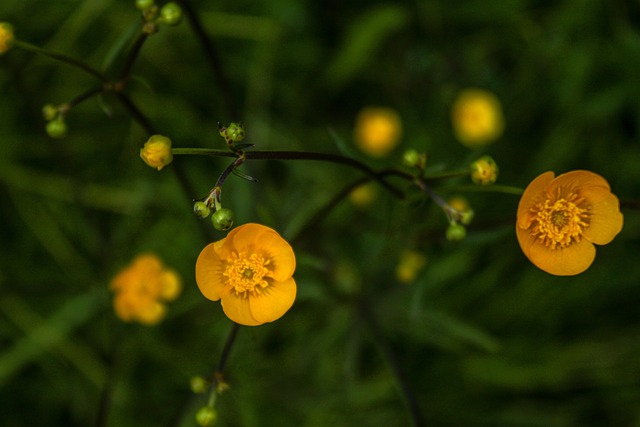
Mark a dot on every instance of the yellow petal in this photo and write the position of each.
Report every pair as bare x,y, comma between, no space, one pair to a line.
569,261
535,192
605,218
282,260
580,179
209,269
274,303
237,309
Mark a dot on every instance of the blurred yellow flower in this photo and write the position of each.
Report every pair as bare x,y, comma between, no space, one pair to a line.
477,117
250,271
141,289
157,152
559,220
6,37
410,264
377,131
363,195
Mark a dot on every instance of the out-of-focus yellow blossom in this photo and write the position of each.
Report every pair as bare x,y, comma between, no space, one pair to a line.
157,152
363,195
477,117
461,206
6,37
251,272
377,131
484,171
142,288
409,266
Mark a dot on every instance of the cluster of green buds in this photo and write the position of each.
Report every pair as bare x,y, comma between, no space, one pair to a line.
207,415
222,218
460,214
54,115
169,14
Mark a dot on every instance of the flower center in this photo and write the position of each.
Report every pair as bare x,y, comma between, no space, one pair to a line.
560,223
247,274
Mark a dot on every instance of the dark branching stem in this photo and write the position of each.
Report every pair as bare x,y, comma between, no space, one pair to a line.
133,54
394,365
226,350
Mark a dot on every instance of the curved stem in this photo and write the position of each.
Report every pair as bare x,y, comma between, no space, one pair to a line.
131,57
505,189
63,58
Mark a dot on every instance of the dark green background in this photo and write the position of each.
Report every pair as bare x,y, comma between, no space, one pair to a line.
482,337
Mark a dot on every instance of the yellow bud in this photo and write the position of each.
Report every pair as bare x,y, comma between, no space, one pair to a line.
206,416
484,171
157,152
6,37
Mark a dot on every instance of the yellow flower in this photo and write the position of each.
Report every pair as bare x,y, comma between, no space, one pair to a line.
411,263
377,131
142,287
363,195
477,117
157,152
250,271
6,37
559,220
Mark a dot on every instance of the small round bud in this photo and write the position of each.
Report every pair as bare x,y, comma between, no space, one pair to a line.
201,209
206,416
198,385
222,219
456,232
144,4
235,132
157,152
411,158
50,112
57,128
466,217
484,171
6,37
171,14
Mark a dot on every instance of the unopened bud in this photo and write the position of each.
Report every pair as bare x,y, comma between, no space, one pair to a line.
206,416
456,232
171,14
484,171
198,385
57,128
222,219
201,209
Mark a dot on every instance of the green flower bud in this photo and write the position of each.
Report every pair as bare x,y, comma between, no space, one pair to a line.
171,14
484,171
466,217
411,158
57,128
222,219
198,385
201,209
50,112
206,416
235,132
456,232
144,4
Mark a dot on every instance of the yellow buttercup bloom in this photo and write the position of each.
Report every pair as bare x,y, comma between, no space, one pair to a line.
377,131
142,288
561,218
484,171
410,265
6,37
250,271
477,117
157,152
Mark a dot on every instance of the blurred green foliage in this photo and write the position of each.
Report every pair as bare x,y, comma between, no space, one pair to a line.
481,338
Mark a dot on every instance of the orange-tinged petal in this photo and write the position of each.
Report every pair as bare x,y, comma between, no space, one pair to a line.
605,218
580,179
209,273
568,261
275,302
282,260
532,194
248,236
237,309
